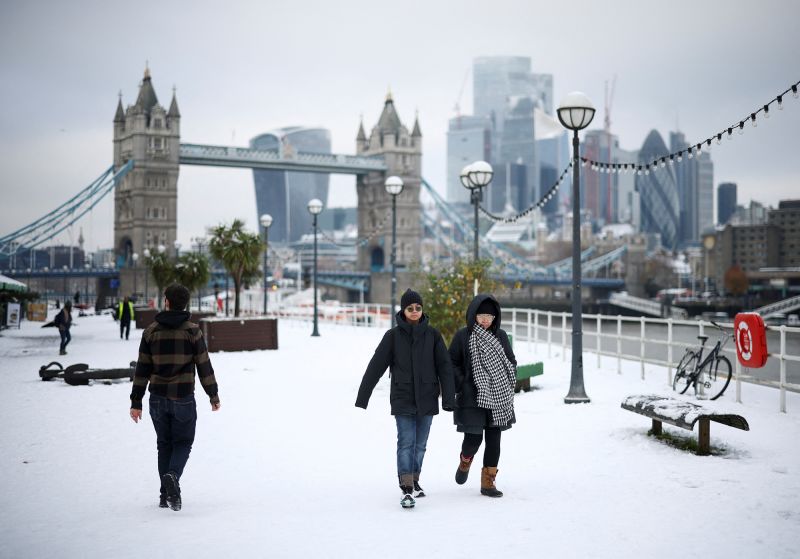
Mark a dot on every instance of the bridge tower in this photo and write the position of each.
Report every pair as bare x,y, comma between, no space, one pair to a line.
145,201
402,152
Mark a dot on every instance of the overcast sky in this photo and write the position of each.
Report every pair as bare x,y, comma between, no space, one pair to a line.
242,68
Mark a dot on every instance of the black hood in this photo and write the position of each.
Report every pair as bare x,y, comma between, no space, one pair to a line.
172,319
472,311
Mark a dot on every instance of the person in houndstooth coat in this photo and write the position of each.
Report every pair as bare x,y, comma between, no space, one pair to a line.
485,372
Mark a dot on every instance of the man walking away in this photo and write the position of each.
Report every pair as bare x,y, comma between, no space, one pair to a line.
125,315
170,349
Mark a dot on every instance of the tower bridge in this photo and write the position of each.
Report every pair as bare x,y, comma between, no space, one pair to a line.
145,200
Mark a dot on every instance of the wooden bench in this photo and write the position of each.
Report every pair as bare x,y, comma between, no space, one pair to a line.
525,372
524,375
683,414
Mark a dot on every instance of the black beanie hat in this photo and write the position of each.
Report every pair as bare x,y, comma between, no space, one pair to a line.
487,306
410,298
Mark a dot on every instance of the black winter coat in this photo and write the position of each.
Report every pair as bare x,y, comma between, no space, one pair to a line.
419,364
467,415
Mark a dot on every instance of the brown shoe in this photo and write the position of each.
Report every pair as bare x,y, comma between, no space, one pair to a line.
487,483
463,469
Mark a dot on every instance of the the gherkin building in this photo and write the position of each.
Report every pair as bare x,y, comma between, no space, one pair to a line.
658,192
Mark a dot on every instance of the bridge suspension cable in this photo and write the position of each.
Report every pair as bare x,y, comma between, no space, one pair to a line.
67,214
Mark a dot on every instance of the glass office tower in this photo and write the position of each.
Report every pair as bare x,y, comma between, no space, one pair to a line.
658,193
285,194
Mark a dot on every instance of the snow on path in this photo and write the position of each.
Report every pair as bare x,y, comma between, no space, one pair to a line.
290,468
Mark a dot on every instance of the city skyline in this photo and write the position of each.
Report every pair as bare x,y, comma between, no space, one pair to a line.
67,64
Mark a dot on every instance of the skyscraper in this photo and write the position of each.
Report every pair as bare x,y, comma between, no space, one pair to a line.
705,195
726,202
658,192
285,194
518,149
600,195
468,140
628,207
687,189
507,93
694,178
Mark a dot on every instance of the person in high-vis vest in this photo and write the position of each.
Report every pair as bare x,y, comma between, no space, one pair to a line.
125,315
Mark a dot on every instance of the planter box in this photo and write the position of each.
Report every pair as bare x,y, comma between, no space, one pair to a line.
240,334
145,316
37,312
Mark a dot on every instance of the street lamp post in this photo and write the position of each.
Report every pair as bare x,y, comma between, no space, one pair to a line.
315,208
474,177
146,275
88,267
66,293
394,186
575,113
160,296
266,221
135,257
177,249
201,241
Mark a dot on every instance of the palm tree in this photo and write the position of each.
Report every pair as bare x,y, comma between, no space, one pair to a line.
239,251
192,271
162,270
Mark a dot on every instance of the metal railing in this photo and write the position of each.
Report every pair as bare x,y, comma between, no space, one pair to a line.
346,314
648,341
627,338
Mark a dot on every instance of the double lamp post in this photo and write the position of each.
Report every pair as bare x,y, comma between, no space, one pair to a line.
474,177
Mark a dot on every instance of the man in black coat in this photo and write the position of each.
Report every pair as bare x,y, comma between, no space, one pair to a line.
420,367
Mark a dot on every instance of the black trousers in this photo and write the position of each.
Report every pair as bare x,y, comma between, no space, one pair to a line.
124,326
491,452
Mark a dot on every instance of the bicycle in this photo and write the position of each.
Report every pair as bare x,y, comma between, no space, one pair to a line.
710,376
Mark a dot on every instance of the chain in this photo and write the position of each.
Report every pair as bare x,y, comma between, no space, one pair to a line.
542,201
361,242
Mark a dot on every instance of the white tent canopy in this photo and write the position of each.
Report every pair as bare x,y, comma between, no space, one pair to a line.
9,284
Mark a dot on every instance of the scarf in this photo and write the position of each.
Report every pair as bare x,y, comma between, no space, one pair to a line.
494,375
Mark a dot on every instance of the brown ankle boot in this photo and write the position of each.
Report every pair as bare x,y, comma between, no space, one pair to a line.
487,483
463,469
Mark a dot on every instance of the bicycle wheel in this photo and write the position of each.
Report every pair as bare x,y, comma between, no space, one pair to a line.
683,372
719,378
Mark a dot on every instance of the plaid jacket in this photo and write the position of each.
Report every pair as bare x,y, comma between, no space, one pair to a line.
170,349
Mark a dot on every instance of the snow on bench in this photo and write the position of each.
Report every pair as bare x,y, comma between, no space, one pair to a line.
683,414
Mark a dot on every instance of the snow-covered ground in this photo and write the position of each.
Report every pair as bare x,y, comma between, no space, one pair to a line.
290,468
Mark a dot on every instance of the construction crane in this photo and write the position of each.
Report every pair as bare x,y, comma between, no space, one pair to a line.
609,101
609,186
457,106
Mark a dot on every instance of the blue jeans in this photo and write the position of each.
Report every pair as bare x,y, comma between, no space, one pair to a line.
65,338
174,422
412,439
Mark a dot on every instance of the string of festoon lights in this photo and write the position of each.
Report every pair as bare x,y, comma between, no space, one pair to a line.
361,242
694,149
540,204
